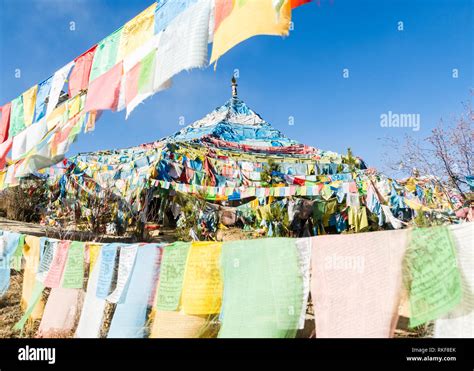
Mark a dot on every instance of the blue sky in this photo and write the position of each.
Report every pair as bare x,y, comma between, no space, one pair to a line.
407,71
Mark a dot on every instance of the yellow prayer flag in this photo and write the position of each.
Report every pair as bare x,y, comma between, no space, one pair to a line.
202,284
75,105
168,324
29,103
137,31
94,249
246,19
57,117
31,253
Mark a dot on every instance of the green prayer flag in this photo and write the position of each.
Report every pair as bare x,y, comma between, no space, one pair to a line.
15,262
147,69
35,298
17,117
263,289
105,56
431,274
74,271
171,275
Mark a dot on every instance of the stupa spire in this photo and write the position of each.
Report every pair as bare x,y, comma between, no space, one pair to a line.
234,87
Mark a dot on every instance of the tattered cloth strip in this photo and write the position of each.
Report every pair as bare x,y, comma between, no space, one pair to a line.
171,276
168,324
183,44
356,282
459,323
31,253
263,289
9,242
202,285
431,274
130,313
60,312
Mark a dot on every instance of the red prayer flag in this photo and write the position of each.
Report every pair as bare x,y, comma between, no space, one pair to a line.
104,91
297,3
79,79
5,122
5,147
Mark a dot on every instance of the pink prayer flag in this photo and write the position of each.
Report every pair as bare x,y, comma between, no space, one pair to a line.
356,283
53,278
60,313
5,122
131,83
5,147
79,78
104,91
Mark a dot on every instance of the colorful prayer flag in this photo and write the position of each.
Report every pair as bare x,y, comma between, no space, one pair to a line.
29,104
17,119
105,56
5,122
79,78
246,19
167,10
202,284
137,31
41,96
183,44
104,91
431,274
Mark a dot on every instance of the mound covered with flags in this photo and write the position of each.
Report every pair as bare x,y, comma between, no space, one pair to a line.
246,173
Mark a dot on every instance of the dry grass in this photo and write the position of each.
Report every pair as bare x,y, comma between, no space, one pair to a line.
11,313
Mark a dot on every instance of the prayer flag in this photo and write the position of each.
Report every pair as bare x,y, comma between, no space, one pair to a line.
183,44
202,284
79,78
104,91
105,56
137,31
237,21
431,274
5,122
29,104
17,119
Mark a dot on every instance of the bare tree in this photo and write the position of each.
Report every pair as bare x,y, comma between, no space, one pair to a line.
445,156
